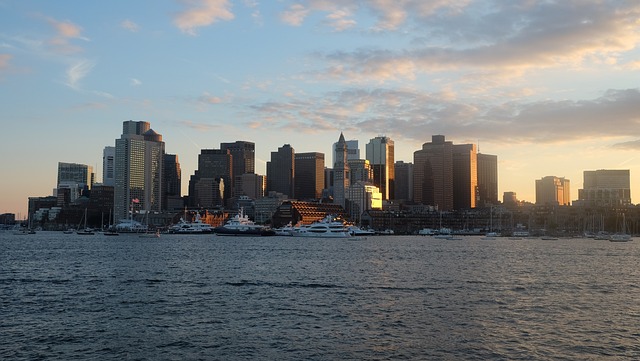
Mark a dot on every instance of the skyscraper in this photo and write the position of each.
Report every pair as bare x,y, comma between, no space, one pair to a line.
606,187
172,183
341,173
404,181
138,169
108,166
552,190
465,176
243,154
78,178
281,171
433,173
380,154
487,179
353,151
309,175
209,186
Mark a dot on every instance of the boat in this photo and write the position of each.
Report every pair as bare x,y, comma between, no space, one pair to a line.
130,226
426,232
357,231
386,232
85,231
328,227
284,230
490,236
195,227
241,225
623,236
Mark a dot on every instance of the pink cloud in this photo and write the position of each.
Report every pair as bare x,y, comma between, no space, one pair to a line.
202,13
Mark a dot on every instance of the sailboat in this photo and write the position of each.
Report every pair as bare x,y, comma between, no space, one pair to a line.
623,236
85,231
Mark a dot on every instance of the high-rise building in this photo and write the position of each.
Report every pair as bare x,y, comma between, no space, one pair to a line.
78,178
243,154
172,182
253,185
341,172
353,151
404,181
487,179
309,175
361,197
138,169
606,188
551,190
214,174
360,171
281,171
465,176
433,173
380,154
108,166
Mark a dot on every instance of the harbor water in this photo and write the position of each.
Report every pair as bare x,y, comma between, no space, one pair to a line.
71,297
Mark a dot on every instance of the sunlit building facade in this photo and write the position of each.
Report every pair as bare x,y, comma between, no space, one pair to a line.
552,191
139,160
606,188
380,154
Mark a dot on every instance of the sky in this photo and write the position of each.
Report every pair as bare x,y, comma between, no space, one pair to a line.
550,87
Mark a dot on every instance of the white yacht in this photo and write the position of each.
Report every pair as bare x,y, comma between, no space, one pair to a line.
240,224
195,227
328,227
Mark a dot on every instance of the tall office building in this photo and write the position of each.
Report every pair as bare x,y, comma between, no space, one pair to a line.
309,175
487,179
281,171
360,171
172,182
606,188
243,154
108,166
209,186
433,173
552,190
404,181
380,154
341,172
78,178
353,152
361,197
253,185
465,176
138,169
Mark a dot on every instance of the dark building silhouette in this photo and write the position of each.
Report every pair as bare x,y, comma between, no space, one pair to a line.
433,173
172,183
487,179
404,181
281,171
208,185
309,175
243,154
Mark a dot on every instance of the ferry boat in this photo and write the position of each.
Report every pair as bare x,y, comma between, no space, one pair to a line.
328,227
240,224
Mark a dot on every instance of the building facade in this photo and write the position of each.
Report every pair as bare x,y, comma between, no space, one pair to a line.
281,171
341,172
606,188
138,169
404,181
309,175
215,170
77,178
465,176
551,190
487,180
243,155
172,183
380,154
108,166
433,173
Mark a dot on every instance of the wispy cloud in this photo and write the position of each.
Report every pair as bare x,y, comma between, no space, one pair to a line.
65,31
201,13
135,82
76,72
129,26
295,15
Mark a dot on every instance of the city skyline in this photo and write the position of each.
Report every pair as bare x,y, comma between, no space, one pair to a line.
551,88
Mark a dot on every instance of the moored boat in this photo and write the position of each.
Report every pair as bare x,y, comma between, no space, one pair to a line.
327,227
241,225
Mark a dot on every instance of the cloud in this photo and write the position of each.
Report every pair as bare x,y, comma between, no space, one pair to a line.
76,72
295,15
504,38
129,25
5,60
413,115
135,82
65,32
201,13
340,20
207,98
